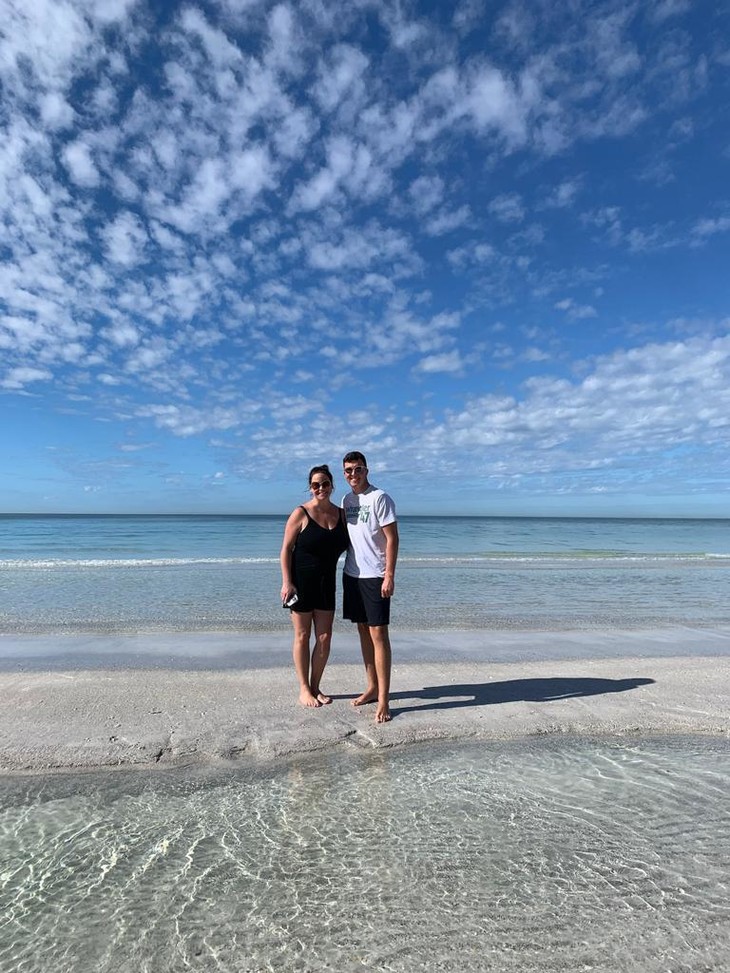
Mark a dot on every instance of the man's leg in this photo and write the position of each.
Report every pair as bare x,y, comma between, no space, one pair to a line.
368,657
380,639
376,654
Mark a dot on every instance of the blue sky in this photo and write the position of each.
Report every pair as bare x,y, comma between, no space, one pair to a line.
485,243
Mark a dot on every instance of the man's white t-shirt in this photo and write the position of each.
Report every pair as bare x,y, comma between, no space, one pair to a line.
366,514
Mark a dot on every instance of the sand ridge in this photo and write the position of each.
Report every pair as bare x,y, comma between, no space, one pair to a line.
71,718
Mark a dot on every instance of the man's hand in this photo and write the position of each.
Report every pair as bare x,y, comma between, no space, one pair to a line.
388,586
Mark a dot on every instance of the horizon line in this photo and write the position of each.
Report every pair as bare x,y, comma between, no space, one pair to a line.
440,516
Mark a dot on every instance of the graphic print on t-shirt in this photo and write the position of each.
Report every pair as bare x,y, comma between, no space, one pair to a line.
357,514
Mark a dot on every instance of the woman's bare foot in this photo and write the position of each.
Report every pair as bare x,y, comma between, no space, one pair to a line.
322,697
369,696
307,699
382,714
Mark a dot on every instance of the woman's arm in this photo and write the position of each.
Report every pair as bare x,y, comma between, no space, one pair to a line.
292,529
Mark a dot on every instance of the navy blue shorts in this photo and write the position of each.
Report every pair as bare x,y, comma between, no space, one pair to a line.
362,601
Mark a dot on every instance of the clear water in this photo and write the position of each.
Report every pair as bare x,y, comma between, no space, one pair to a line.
549,855
126,574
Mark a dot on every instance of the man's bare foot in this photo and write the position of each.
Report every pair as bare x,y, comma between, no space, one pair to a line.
323,698
382,714
369,696
307,699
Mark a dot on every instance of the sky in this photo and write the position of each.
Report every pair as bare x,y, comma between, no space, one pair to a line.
484,243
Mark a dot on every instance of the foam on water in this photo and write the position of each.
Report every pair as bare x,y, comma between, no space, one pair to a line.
543,855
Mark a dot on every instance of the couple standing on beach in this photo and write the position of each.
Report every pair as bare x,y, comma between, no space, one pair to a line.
315,535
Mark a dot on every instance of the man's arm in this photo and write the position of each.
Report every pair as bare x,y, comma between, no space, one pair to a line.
391,556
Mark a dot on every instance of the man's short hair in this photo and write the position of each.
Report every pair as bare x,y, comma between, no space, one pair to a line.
354,457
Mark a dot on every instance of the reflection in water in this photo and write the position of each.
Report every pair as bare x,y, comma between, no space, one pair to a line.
548,855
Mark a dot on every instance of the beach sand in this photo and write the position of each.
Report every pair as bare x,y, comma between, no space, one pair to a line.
131,701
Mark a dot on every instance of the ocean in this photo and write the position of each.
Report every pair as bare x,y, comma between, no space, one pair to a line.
543,855
67,574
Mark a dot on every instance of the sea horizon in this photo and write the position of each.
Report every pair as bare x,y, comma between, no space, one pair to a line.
10,514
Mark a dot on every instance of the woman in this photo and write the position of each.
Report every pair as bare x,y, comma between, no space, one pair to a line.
314,537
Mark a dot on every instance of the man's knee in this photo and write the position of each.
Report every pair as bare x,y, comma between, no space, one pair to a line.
379,634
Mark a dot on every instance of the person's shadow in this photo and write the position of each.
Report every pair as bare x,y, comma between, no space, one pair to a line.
452,696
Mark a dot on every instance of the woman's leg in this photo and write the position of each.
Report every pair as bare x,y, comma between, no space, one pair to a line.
302,622
322,640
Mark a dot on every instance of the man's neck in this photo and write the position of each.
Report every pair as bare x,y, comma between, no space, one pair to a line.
363,489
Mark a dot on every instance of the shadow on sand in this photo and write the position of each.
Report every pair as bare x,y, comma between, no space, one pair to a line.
511,690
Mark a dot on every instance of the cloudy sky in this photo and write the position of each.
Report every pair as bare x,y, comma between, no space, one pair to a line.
485,243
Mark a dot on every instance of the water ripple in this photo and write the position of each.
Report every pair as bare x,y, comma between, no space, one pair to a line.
549,855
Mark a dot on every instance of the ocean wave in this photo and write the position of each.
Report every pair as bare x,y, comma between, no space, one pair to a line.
153,562
501,558
580,557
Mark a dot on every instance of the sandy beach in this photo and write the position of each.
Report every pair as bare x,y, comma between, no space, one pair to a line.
92,702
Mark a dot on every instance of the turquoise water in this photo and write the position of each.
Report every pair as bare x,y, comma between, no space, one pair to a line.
70,574
551,855
547,855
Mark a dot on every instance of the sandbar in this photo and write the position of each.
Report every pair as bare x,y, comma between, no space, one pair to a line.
87,702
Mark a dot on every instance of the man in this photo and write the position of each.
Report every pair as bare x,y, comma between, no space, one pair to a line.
368,580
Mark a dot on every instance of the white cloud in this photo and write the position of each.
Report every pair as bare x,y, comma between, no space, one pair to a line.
18,378
135,447
284,37
281,201
563,194
477,253
447,221
575,312
706,228
426,192
467,14
126,239
56,113
251,171
340,155
341,77
221,52
110,11
371,246
122,334
640,401
450,361
187,420
494,102
664,9
48,35
295,130
77,159
507,208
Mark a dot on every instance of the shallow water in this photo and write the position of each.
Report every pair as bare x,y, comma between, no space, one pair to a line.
555,854
66,575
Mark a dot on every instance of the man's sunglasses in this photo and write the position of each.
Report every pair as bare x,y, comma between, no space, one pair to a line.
353,470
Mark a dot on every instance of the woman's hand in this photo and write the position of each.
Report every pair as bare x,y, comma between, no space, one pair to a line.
287,592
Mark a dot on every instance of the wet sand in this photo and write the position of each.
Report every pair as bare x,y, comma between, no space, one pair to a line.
95,701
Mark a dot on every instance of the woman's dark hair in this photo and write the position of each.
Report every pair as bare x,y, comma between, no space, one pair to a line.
324,470
355,457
